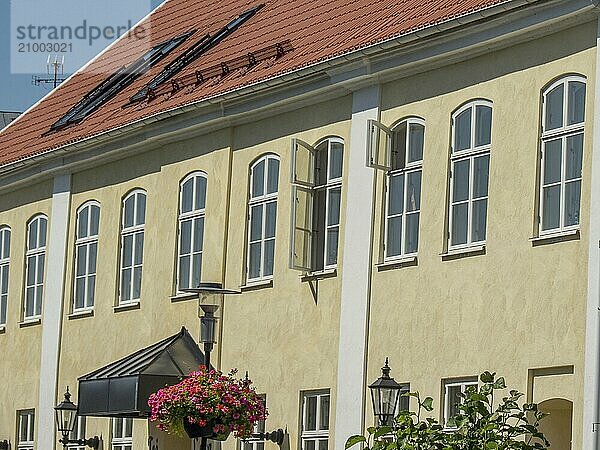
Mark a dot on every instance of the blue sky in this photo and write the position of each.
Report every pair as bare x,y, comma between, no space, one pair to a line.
17,93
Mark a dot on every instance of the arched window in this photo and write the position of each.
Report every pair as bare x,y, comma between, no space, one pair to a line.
35,257
192,209
132,246
562,154
403,203
262,206
469,176
4,267
86,251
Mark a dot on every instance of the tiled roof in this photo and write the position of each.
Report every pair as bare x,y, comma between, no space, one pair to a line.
310,30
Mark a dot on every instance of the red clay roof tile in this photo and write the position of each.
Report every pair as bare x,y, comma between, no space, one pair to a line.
317,30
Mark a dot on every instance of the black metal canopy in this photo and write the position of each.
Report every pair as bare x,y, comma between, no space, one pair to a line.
122,388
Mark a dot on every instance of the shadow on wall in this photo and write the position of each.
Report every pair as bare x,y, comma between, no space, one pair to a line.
558,425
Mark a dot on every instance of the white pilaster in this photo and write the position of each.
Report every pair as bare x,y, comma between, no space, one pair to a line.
53,301
356,276
591,405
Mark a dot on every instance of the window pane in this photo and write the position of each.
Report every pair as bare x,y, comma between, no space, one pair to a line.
90,290
413,187
118,428
412,233
256,222
311,414
23,436
459,224
6,244
94,220
454,400
269,257
273,176
79,292
399,146
415,142
551,208
258,179
4,279
31,263
321,164
32,238
481,176
3,300
137,282
184,272
324,425
460,177
396,195
92,257
128,212
200,192
552,161
323,444
332,245
126,285
576,102
43,227
29,301
574,156
309,445
394,234
127,250
187,193
254,260
82,223
186,237
479,220
41,260
128,427
38,301
81,259
554,107
140,218
572,202
462,130
198,234
336,161
271,220
196,269
333,211
483,125
139,248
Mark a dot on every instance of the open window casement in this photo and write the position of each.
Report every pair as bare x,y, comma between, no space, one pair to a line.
303,164
379,146
301,228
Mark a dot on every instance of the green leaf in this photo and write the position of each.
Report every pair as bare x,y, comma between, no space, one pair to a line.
382,431
427,404
491,446
487,377
353,440
500,383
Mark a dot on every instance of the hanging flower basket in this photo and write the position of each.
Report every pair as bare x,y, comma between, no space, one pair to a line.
208,404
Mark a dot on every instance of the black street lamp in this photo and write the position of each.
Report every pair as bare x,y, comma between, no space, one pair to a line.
385,393
66,415
210,298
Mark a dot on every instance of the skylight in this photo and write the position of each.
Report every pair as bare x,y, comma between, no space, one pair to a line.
117,82
198,49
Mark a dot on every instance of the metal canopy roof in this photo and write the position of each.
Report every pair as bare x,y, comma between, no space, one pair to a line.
122,388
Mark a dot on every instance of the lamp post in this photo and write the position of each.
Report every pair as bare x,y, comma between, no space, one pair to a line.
385,393
66,415
210,298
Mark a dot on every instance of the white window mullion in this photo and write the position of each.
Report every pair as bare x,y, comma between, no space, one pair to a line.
471,196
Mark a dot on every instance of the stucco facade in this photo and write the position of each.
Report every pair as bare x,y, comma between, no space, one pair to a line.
518,306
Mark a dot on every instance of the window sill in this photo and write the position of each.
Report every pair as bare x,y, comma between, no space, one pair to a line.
464,252
30,322
398,263
319,275
255,285
183,297
552,238
80,314
126,307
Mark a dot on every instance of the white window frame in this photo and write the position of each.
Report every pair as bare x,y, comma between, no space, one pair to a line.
134,230
463,383
78,433
87,242
470,154
29,416
193,215
318,434
38,253
262,201
562,133
5,236
407,169
119,443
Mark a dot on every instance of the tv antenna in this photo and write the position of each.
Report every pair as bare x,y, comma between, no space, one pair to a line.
55,68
